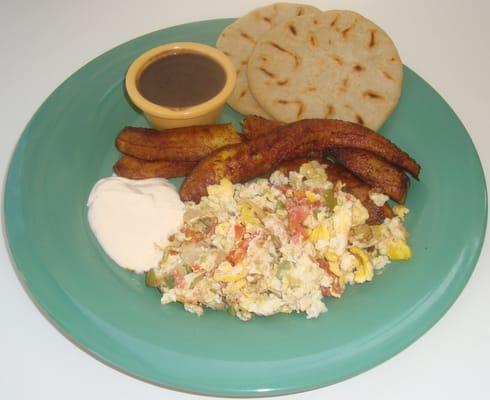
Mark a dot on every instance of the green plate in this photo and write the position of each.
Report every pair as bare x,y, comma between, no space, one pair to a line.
69,144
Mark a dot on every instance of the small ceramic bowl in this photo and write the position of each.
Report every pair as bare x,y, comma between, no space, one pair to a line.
161,117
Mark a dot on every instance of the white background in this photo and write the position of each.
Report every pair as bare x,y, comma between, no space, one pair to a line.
43,42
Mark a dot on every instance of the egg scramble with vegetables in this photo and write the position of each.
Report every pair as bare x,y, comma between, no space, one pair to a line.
277,245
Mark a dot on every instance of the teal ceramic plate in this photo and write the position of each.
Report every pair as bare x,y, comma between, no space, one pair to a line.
69,144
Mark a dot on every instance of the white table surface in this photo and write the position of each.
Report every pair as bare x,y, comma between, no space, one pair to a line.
43,42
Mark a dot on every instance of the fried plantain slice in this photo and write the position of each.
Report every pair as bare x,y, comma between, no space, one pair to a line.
134,168
179,144
243,161
373,170
255,126
368,167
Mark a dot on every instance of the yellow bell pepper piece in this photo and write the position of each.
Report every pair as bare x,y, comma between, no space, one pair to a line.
364,272
319,233
332,257
312,197
247,214
399,250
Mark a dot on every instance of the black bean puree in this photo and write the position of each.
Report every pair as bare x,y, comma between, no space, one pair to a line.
181,79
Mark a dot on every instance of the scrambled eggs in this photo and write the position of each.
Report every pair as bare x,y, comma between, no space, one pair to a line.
275,246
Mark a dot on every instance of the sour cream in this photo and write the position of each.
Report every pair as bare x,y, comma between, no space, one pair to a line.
132,219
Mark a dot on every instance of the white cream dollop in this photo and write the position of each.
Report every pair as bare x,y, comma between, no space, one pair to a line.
132,219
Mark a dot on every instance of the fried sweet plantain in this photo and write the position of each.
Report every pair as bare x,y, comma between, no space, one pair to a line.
352,185
373,170
255,126
134,168
179,144
368,167
243,161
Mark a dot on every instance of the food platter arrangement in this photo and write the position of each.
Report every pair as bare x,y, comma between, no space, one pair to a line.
246,184
266,246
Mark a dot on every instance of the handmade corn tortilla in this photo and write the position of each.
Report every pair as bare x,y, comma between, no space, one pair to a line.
334,65
238,41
